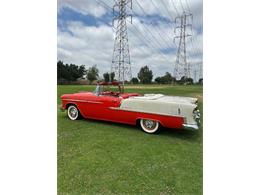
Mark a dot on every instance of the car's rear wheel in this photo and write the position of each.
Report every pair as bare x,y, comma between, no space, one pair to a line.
149,126
73,112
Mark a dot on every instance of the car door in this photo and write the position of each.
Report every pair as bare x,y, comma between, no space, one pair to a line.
104,110
89,105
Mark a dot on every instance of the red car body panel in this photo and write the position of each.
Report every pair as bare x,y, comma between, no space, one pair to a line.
107,108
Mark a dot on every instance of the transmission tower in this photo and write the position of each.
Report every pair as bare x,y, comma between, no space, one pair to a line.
182,29
121,64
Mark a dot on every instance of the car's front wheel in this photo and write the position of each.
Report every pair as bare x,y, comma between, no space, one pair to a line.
73,112
149,126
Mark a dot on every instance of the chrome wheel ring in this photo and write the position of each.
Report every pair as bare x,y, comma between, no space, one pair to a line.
149,126
73,112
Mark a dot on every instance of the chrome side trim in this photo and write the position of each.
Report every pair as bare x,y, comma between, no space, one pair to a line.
92,102
114,108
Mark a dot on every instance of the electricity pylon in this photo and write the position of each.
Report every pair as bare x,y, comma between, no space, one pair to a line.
183,25
121,64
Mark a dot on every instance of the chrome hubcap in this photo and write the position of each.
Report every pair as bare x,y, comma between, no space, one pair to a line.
149,124
73,112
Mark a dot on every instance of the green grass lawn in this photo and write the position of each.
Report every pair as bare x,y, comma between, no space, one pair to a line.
97,157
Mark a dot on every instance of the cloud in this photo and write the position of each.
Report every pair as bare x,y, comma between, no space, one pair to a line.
86,7
150,43
87,45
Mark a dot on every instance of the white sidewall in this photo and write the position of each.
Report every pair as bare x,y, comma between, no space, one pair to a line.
71,117
149,130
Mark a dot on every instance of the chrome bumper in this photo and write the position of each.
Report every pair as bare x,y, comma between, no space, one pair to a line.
196,116
190,127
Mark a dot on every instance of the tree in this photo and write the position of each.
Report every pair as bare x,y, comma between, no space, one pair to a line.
166,79
112,75
201,81
76,72
92,73
158,80
108,75
174,80
81,71
185,80
70,72
134,80
60,70
189,81
145,75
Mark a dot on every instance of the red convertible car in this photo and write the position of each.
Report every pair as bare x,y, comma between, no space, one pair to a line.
108,102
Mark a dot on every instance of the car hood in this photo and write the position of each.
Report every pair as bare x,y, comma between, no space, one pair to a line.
78,95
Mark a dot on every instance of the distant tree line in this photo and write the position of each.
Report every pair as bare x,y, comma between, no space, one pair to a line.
166,79
71,73
109,76
145,76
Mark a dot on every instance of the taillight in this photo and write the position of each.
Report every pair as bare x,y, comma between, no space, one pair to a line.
196,115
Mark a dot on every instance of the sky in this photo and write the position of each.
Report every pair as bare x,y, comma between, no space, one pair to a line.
86,35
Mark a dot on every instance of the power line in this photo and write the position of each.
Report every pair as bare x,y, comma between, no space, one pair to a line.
182,6
149,46
149,41
163,3
145,38
157,28
149,32
156,7
194,49
103,4
175,7
187,6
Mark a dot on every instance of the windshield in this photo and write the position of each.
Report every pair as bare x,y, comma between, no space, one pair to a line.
107,90
97,90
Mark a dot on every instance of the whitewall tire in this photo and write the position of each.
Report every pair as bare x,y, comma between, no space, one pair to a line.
73,112
149,126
